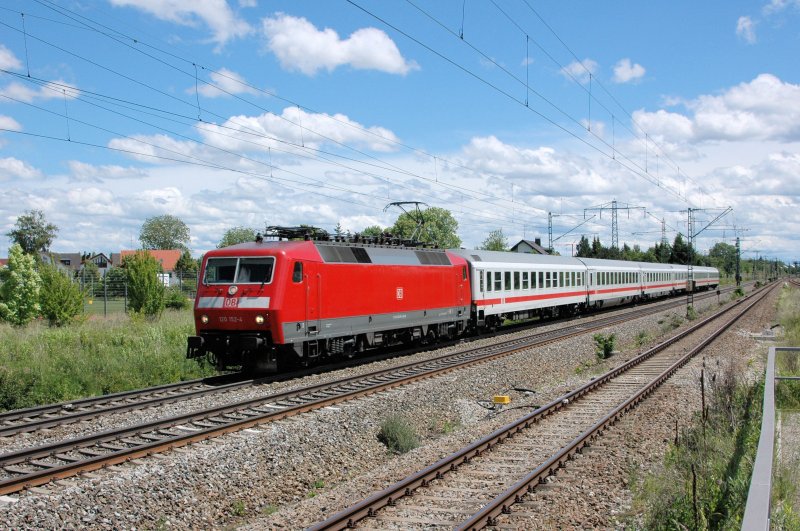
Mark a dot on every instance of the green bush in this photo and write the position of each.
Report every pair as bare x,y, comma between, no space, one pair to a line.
176,299
605,345
61,298
691,313
19,288
41,364
398,435
145,290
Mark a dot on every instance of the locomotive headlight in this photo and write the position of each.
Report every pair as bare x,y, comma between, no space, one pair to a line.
259,319
204,319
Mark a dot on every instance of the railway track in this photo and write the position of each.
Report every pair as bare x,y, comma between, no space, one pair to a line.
52,415
42,464
471,488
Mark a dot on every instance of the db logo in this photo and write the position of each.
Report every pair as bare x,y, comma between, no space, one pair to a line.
399,294
231,303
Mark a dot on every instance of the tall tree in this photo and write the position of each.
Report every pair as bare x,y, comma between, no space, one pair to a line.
583,250
440,228
186,265
723,256
496,241
19,288
237,235
680,251
33,233
164,232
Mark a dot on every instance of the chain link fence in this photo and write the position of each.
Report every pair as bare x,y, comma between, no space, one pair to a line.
108,294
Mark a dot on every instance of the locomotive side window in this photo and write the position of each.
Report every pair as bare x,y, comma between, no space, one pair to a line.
220,271
463,272
297,272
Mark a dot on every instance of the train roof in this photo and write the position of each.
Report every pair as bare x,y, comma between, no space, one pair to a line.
477,256
344,252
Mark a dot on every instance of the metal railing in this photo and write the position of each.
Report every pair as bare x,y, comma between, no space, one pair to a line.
757,510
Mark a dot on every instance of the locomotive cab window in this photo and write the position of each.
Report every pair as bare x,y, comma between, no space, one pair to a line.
239,270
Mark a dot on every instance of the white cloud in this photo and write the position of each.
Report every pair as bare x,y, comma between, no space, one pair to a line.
8,61
765,108
228,81
48,91
299,45
296,126
745,30
149,148
625,72
248,3
11,168
7,122
81,171
580,70
216,14
776,6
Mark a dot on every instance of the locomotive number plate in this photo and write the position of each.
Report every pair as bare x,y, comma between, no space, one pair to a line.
230,303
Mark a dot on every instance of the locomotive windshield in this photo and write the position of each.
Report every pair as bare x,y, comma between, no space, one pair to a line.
239,270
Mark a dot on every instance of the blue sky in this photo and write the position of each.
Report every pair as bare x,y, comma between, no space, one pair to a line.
249,112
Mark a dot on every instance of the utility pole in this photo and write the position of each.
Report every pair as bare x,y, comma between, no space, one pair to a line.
614,221
738,262
692,235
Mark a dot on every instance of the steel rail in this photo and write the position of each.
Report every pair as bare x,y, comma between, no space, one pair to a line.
406,487
47,416
116,446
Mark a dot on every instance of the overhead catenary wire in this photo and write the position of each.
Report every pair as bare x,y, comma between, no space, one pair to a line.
138,42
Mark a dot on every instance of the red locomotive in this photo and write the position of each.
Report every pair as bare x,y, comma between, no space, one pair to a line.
265,304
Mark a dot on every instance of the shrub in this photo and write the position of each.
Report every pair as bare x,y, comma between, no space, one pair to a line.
691,313
605,345
145,290
738,292
175,299
642,338
19,291
61,298
398,435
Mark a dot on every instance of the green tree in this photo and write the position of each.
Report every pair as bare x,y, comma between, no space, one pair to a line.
61,297
496,241
723,256
440,228
583,250
164,232
338,230
680,251
145,290
33,233
372,231
237,235
19,291
186,265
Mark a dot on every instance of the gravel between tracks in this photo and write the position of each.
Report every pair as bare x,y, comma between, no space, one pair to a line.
309,466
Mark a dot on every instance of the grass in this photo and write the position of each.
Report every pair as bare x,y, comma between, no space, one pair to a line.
715,454
398,435
40,365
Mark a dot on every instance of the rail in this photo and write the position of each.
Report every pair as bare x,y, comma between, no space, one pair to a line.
757,509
